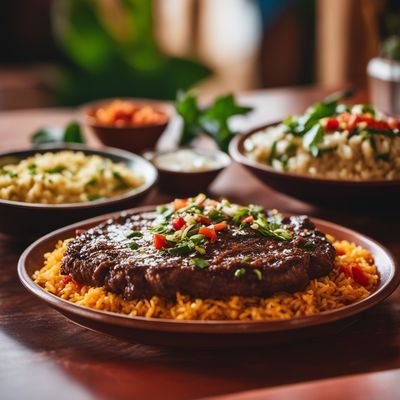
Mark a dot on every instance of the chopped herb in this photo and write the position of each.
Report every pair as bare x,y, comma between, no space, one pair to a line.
92,182
247,259
56,170
313,138
9,173
180,250
32,169
240,272
122,184
135,235
93,197
199,262
272,153
258,274
133,246
308,245
217,215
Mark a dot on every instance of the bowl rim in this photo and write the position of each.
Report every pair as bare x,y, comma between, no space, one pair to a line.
220,326
219,153
164,106
102,151
236,151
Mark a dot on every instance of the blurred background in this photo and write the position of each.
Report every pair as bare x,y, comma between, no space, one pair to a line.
66,52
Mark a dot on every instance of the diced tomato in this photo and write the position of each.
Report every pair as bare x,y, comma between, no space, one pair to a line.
331,124
340,252
66,280
159,241
353,121
247,220
208,232
79,231
121,115
178,223
359,275
203,219
220,226
345,269
177,204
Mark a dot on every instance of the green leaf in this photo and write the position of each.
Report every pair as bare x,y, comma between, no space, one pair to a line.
313,138
72,133
187,107
133,246
199,262
56,170
134,235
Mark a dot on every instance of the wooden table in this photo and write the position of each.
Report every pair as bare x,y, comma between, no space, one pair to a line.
44,356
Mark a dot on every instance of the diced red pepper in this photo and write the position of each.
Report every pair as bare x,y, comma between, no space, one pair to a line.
159,241
178,223
359,275
203,219
121,115
247,220
331,124
340,252
208,232
177,204
220,226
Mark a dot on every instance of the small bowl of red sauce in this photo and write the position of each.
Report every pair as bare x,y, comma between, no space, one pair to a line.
130,124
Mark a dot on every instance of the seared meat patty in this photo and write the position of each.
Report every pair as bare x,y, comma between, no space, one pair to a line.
242,261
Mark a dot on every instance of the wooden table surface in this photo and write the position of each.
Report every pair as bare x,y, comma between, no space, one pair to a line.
45,356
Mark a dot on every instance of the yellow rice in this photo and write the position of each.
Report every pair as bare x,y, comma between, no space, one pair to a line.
328,293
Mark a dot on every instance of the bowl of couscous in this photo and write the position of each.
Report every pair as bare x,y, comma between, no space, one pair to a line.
47,187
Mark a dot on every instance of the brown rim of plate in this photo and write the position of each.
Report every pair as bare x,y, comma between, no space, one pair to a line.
103,151
87,109
236,151
387,267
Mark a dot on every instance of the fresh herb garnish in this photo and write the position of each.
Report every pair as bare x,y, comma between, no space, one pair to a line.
56,170
134,235
212,120
240,272
199,262
93,197
92,182
313,138
32,169
71,133
308,245
133,246
11,174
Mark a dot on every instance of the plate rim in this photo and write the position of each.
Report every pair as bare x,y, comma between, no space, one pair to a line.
209,326
236,153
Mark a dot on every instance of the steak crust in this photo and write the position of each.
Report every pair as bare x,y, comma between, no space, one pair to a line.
101,256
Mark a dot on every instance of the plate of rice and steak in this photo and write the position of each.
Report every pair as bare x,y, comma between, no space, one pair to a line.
333,154
201,272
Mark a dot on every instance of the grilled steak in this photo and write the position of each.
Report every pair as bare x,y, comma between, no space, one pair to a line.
122,255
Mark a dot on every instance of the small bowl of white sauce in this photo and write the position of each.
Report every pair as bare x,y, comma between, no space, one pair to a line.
188,170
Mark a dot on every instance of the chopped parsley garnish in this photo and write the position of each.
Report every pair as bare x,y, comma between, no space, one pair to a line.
56,170
199,262
32,169
9,173
133,246
93,197
121,182
134,235
240,272
92,182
